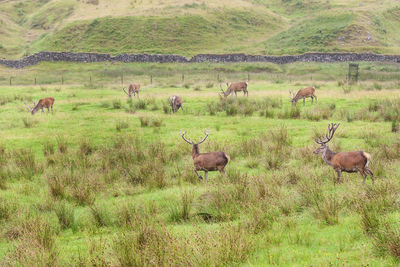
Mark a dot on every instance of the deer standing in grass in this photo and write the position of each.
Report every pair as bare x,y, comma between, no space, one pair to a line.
176,103
234,88
212,161
47,102
303,94
355,161
132,89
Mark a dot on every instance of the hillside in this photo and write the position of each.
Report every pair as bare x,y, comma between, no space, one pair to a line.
189,27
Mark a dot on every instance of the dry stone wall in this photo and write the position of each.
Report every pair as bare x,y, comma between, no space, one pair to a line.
95,57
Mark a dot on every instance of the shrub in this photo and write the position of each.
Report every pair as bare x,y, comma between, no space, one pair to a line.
121,125
62,144
48,148
117,104
65,214
144,121
181,212
29,122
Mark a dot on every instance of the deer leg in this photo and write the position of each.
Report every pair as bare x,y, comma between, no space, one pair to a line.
312,100
221,170
235,93
198,175
339,174
181,107
369,172
304,101
205,176
363,175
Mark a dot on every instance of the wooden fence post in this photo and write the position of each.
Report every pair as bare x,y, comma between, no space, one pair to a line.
10,80
151,78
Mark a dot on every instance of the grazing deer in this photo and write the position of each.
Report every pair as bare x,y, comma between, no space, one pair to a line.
206,162
344,161
234,88
176,103
303,94
133,89
47,102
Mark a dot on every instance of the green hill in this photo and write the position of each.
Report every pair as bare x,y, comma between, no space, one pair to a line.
191,27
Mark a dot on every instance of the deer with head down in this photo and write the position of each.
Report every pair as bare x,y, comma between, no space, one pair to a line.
132,89
234,88
176,103
212,161
303,94
47,102
355,161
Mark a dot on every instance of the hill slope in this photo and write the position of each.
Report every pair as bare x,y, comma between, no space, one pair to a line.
189,27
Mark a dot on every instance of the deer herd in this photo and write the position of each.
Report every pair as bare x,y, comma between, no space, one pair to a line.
355,161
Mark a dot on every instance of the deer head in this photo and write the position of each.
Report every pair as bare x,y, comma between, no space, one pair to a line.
225,93
195,145
31,110
292,97
323,141
129,94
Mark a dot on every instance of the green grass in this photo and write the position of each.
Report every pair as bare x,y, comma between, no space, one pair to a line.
88,184
188,28
183,34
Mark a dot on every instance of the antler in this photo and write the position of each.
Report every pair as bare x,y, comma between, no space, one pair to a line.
331,131
220,87
183,137
291,94
125,91
204,139
28,107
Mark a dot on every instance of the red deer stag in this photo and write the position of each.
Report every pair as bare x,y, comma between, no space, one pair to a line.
343,161
176,103
303,94
212,161
133,89
234,88
47,102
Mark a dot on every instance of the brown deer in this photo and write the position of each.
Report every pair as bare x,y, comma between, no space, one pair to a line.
355,161
234,88
133,89
176,103
212,161
47,102
303,94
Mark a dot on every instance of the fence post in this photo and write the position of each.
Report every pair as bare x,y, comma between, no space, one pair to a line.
35,80
151,78
122,78
218,77
62,79
248,77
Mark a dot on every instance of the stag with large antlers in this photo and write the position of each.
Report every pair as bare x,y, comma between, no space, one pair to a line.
47,102
303,94
212,161
133,89
176,103
234,88
355,161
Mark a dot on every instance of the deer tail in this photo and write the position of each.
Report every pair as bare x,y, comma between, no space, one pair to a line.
226,157
367,157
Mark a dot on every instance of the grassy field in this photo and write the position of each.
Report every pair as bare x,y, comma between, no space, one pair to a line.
108,181
191,26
